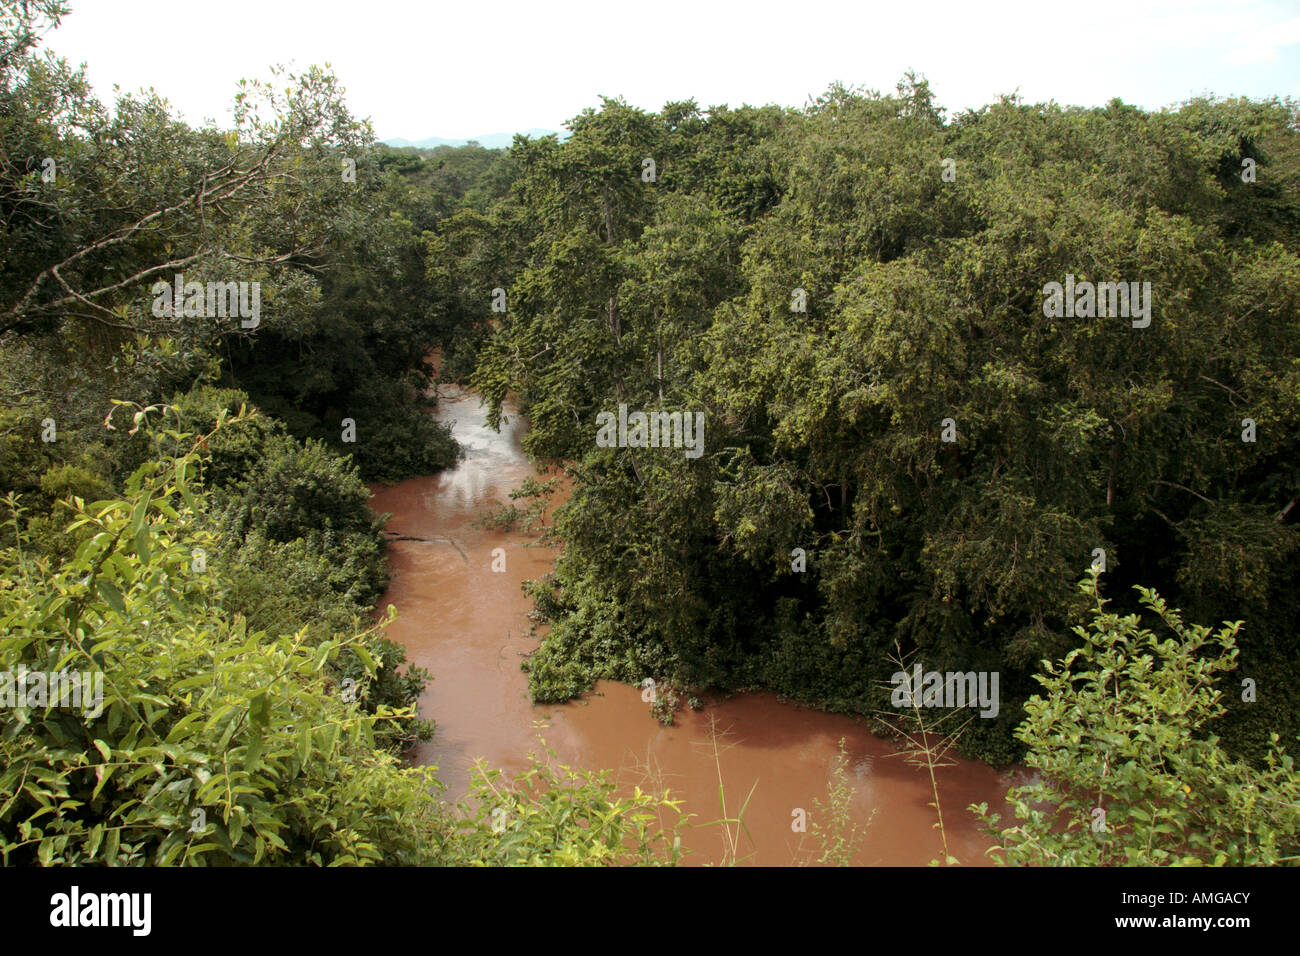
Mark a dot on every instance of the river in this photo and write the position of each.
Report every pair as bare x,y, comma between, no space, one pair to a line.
468,626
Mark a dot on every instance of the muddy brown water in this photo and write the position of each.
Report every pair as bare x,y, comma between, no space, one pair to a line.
468,626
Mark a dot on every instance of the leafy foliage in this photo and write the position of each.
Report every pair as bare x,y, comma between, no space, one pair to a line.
216,743
554,815
922,302
199,712
1130,774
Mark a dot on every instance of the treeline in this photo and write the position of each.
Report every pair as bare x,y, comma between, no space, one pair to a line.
906,447
299,291
190,668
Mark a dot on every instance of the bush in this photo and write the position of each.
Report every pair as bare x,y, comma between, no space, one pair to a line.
1129,775
215,743
553,815
235,451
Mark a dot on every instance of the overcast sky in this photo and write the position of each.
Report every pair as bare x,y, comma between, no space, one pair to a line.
471,67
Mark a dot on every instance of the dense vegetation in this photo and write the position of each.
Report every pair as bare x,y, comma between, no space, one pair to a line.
1128,774
220,743
830,286
186,511
100,206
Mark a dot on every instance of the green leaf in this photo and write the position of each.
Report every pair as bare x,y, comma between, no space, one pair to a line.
304,744
111,595
140,513
96,837
259,710
142,546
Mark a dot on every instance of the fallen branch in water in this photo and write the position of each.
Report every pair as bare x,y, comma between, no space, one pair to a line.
398,536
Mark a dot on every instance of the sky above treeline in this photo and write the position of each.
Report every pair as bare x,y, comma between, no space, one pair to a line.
421,68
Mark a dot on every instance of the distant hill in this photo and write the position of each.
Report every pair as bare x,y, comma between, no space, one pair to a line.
490,141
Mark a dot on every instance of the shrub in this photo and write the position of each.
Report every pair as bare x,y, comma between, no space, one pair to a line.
1129,774
216,743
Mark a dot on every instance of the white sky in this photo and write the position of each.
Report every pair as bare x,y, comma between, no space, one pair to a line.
464,68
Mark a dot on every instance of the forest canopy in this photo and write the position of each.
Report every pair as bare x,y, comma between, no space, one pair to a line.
906,443
909,378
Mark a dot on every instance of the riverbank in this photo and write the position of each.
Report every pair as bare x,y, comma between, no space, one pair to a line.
468,626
